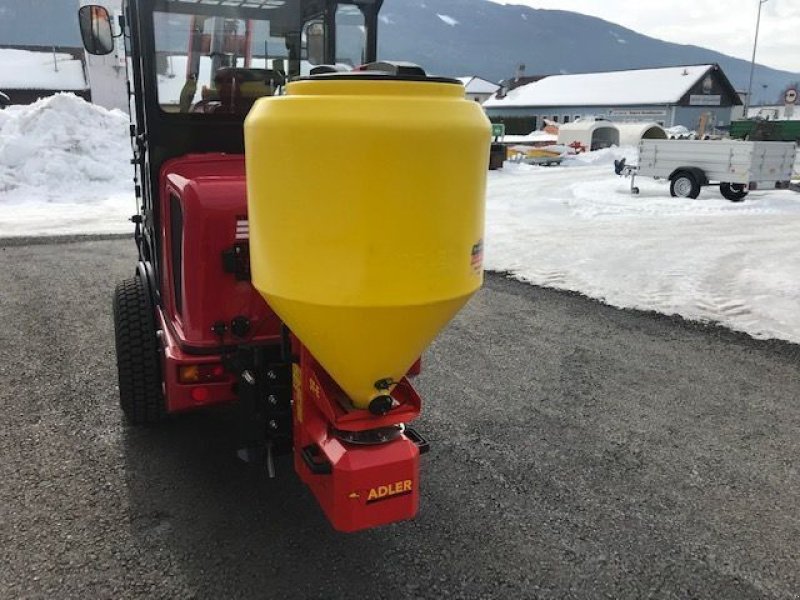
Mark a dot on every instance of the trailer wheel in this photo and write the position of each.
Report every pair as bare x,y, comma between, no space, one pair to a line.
684,184
735,192
138,363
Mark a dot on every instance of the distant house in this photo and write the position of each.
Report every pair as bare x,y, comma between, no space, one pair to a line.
28,73
40,50
479,89
669,96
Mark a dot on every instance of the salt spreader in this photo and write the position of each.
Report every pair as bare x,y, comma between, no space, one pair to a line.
310,219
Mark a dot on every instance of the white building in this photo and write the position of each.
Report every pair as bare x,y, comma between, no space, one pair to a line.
479,89
682,95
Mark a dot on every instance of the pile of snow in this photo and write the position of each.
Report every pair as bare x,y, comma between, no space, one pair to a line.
607,156
64,168
578,228
28,70
680,132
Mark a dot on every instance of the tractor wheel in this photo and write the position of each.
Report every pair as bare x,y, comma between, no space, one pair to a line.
138,363
735,192
684,185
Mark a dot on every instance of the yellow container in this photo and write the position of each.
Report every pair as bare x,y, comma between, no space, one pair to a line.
366,208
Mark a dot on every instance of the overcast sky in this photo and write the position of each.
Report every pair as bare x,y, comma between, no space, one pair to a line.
724,25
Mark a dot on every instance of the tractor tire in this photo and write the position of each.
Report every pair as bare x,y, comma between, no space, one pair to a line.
735,192
684,184
141,395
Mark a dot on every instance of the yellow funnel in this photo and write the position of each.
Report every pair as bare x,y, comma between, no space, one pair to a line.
366,209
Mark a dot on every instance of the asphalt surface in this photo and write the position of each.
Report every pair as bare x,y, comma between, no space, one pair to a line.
579,451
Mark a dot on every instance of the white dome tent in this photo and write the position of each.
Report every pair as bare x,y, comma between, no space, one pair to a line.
630,134
587,135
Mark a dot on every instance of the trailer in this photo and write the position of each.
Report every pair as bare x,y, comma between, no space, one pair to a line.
737,167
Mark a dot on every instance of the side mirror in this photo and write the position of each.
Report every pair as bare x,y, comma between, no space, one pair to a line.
96,31
315,42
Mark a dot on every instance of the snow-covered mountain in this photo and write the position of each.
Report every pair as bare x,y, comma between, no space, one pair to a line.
478,37
462,37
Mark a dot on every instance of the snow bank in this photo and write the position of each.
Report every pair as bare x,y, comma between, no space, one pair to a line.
64,168
607,156
679,130
578,228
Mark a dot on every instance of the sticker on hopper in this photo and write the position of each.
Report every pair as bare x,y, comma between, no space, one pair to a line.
476,260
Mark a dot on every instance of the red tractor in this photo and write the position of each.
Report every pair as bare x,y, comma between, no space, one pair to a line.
191,328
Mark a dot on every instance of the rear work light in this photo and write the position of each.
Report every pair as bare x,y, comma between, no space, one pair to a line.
205,373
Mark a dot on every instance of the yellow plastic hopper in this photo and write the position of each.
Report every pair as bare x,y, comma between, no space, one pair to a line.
366,208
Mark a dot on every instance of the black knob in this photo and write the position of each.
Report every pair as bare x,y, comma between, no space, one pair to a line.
240,326
381,405
219,328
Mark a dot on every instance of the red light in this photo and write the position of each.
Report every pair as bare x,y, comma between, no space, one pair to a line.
199,394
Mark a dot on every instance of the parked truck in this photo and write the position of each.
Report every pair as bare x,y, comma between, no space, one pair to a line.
735,166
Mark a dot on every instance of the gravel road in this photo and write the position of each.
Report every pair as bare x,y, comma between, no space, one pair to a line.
579,451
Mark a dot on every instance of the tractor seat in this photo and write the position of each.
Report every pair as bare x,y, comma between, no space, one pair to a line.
237,89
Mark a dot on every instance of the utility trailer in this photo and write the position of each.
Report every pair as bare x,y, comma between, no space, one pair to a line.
735,166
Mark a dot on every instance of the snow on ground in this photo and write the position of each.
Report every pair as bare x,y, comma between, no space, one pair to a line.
64,169
578,228
28,70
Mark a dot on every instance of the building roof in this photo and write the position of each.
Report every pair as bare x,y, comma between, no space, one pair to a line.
28,70
666,85
478,85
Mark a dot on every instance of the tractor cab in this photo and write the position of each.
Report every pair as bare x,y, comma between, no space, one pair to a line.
195,69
